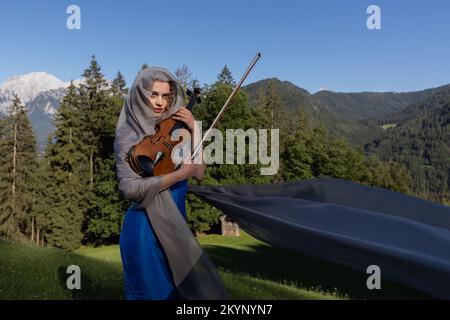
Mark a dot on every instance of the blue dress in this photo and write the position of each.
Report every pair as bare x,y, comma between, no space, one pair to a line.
147,275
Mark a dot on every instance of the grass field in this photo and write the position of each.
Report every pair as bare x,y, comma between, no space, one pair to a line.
250,269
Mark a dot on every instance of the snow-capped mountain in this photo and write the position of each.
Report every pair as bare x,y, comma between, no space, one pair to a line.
46,102
41,94
28,87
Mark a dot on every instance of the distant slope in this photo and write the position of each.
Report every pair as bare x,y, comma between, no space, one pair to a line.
411,128
365,105
421,141
293,98
438,98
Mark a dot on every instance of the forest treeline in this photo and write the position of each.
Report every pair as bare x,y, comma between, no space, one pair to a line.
69,196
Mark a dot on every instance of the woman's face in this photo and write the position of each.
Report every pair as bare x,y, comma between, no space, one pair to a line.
160,98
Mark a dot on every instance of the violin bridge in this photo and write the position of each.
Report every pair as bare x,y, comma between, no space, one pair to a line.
159,155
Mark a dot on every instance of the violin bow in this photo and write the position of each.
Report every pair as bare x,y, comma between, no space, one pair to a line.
225,106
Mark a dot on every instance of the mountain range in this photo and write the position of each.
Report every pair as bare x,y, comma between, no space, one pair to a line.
412,128
41,94
409,127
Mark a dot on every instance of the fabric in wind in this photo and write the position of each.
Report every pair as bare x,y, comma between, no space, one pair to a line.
346,223
193,273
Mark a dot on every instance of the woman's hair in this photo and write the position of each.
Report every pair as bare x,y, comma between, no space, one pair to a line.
143,85
173,93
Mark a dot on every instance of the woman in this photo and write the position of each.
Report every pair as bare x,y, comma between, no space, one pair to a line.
160,256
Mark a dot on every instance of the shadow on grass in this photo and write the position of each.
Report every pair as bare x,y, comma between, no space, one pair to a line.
291,267
99,279
36,273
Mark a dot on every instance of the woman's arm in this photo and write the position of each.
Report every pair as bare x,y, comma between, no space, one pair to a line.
186,116
144,190
185,171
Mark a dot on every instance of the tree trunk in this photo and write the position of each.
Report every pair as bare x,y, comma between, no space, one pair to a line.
37,237
32,228
14,168
32,218
271,117
70,141
91,162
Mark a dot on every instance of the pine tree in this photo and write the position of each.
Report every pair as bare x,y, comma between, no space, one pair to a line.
67,170
200,216
93,109
42,208
278,117
66,153
18,165
100,111
225,76
118,85
297,159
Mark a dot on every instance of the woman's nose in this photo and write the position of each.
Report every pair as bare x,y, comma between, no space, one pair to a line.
159,100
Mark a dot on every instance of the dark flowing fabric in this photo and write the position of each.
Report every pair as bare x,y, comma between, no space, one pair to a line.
146,271
346,223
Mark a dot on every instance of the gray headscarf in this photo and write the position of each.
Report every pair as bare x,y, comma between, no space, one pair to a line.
193,273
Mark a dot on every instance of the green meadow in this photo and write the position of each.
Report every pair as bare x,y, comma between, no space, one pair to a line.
249,268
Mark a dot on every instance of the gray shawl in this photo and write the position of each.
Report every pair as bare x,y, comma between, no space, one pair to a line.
193,273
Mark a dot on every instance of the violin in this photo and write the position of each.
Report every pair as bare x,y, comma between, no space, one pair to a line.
153,155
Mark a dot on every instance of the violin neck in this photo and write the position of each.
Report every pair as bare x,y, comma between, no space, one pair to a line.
178,125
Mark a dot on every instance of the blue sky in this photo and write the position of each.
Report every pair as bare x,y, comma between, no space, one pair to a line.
313,44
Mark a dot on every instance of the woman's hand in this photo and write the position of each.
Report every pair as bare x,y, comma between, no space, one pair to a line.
191,169
186,116
200,172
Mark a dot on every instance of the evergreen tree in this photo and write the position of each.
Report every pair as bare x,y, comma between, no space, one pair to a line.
66,153
42,208
68,170
201,217
118,85
312,153
18,165
61,214
388,175
297,159
277,116
93,110
100,112
225,77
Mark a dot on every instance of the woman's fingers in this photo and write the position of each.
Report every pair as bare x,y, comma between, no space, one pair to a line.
181,118
183,111
186,116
